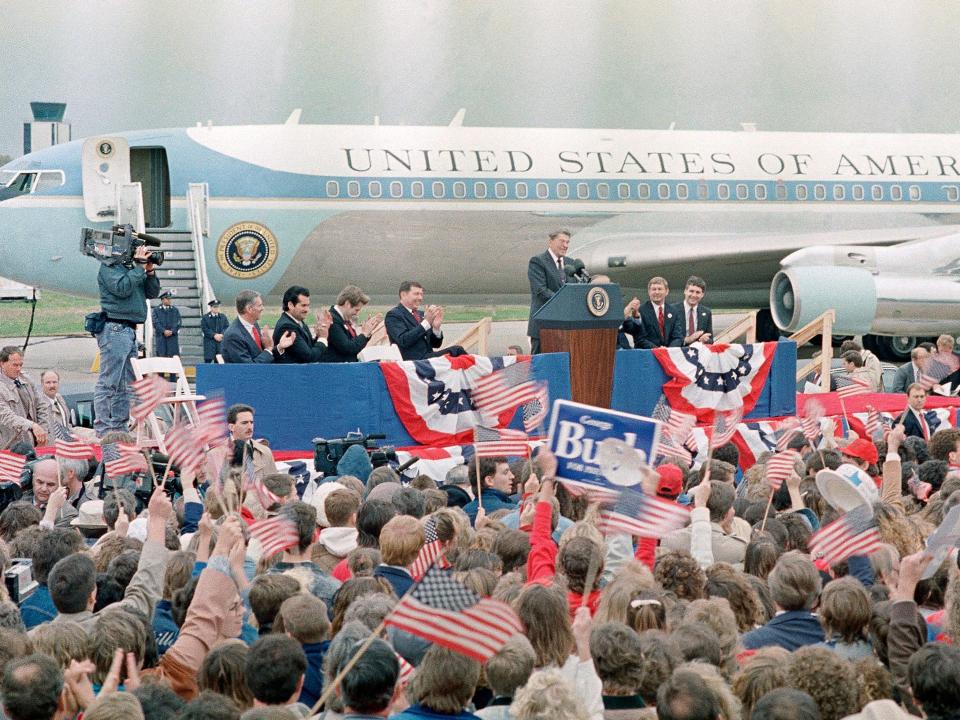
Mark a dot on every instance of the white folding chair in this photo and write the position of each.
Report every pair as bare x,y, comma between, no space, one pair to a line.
181,402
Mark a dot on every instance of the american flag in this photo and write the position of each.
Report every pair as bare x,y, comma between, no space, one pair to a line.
490,442
184,448
788,430
643,515
536,410
675,429
432,549
851,387
122,458
874,424
854,533
780,467
275,534
67,447
151,389
725,426
441,610
11,466
813,411
504,389
212,415
936,368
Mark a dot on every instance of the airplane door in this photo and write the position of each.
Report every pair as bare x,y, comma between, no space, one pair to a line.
106,165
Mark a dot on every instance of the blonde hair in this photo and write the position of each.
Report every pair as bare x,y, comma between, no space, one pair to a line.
115,706
764,671
400,540
547,696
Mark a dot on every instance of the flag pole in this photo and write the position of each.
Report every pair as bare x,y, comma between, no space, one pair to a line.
766,512
476,462
843,407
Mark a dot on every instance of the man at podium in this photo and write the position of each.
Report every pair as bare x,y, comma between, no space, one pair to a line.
546,274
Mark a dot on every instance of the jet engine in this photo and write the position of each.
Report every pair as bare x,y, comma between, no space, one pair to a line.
908,289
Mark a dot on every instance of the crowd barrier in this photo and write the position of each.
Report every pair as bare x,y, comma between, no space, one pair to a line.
296,403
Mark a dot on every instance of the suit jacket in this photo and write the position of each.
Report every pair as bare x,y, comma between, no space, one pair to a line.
545,279
631,328
673,327
341,346
211,325
704,319
239,347
408,334
911,425
166,319
305,348
15,419
903,378
58,413
789,630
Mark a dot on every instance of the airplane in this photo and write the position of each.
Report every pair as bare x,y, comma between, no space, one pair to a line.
788,222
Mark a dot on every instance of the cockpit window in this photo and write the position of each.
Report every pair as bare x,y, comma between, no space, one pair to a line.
49,179
23,183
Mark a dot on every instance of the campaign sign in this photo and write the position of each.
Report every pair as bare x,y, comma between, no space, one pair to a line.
576,437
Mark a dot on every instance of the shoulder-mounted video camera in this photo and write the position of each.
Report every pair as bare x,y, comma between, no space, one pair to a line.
327,453
118,245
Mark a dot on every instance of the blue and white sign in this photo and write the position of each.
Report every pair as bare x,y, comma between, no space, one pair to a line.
592,446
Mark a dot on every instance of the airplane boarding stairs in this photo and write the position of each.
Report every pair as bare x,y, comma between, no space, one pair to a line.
179,275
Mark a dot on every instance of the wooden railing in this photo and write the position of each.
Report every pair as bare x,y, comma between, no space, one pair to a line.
474,340
744,327
822,326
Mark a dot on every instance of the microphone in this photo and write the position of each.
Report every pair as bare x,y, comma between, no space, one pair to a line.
580,272
569,270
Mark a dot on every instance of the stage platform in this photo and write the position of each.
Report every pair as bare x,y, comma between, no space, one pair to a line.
296,403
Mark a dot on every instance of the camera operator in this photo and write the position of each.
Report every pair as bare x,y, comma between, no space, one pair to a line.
124,289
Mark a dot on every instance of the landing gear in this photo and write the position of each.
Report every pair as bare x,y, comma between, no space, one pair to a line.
896,348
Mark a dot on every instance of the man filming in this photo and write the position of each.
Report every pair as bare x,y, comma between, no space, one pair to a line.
124,289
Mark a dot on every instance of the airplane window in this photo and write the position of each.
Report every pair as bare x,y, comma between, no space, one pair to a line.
49,179
603,191
416,189
623,191
896,192
683,191
23,183
563,190
500,189
333,188
543,192
374,189
663,191
396,189
723,191
438,189
760,192
583,191
703,192
643,191
459,190
876,192
858,192
353,188
914,192
801,192
838,192
480,190
819,192
742,192
953,193
781,190
521,189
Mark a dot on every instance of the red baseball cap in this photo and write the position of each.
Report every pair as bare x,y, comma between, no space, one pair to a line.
862,450
671,481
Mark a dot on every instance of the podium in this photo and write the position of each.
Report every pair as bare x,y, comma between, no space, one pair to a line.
582,320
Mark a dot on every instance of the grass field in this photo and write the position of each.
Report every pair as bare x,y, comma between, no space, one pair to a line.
62,314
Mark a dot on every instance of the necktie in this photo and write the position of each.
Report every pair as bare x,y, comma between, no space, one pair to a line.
256,337
691,327
924,427
350,331
25,400
563,275
663,333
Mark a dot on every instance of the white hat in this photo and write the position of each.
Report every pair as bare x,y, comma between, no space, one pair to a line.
847,487
319,497
90,515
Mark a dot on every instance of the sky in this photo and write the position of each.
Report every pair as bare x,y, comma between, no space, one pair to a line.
820,65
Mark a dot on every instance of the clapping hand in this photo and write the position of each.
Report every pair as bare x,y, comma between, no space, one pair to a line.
371,324
286,340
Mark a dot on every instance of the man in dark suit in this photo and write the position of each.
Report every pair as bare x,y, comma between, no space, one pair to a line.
696,319
345,341
908,373
917,421
416,333
166,327
662,325
546,275
245,341
309,344
632,326
213,325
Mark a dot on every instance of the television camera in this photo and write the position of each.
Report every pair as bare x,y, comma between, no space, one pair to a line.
118,245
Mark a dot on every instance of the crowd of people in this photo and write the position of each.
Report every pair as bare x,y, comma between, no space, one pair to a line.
166,607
